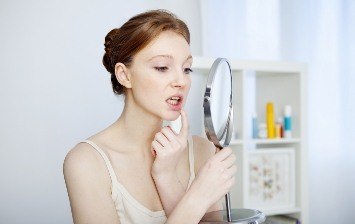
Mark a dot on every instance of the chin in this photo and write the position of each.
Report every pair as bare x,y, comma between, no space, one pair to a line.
171,116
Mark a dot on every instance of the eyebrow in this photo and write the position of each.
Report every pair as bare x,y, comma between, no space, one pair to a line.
167,56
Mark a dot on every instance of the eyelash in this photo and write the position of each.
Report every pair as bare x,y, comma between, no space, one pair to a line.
161,69
164,69
188,70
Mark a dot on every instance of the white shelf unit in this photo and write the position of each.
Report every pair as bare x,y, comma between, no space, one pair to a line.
254,84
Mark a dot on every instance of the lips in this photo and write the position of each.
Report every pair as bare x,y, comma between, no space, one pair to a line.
175,99
175,102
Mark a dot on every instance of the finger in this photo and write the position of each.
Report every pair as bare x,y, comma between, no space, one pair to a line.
229,161
174,142
184,131
160,138
223,154
229,173
172,130
230,182
157,148
169,133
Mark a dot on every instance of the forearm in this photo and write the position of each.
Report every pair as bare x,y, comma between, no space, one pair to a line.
188,210
216,206
170,191
181,206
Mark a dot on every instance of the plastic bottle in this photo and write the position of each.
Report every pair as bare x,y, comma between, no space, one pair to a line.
270,122
277,130
255,125
288,122
280,121
262,130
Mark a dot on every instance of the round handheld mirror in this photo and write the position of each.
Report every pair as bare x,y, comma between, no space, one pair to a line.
218,120
217,104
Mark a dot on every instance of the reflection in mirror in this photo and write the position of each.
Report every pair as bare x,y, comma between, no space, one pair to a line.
221,91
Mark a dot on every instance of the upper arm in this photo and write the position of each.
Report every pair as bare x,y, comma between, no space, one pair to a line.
88,185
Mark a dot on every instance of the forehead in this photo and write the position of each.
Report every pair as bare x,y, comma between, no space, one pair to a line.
167,43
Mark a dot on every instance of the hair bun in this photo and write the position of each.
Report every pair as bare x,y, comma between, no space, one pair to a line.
108,50
109,38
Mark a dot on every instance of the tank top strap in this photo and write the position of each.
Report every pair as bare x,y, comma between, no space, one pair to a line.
109,167
191,161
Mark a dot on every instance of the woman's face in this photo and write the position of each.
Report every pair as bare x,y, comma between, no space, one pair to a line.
160,75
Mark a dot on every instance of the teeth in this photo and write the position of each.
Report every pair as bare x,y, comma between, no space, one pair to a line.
173,102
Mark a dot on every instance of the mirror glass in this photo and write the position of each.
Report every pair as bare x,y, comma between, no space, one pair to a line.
221,91
217,104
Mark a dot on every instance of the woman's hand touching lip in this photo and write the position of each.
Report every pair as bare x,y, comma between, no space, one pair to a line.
168,147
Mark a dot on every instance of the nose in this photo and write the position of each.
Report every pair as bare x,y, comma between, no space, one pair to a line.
180,79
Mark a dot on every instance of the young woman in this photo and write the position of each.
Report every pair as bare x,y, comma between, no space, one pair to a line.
135,171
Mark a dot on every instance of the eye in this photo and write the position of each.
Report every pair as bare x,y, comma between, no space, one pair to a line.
161,69
187,70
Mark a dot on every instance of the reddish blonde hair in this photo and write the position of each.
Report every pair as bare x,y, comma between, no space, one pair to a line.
121,44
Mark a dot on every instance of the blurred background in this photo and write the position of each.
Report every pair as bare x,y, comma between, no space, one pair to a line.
54,90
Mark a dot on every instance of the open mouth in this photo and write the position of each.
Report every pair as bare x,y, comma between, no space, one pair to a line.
175,100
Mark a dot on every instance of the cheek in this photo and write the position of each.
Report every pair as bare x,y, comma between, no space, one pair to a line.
148,88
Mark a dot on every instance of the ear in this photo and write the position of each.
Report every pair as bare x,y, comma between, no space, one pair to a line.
122,75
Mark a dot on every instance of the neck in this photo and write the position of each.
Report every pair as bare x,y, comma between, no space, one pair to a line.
138,127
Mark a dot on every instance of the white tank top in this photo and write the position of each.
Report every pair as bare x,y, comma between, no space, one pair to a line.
129,210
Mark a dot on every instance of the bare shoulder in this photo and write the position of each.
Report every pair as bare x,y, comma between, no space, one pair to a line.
80,157
89,186
83,163
203,150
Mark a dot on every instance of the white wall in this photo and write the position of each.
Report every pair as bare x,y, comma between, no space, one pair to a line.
323,37
54,91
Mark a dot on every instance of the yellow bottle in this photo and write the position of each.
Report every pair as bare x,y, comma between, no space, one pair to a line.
270,122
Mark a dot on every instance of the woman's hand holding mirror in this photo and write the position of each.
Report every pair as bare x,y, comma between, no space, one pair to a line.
215,178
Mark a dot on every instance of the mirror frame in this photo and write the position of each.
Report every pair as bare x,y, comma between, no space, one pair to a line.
223,137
